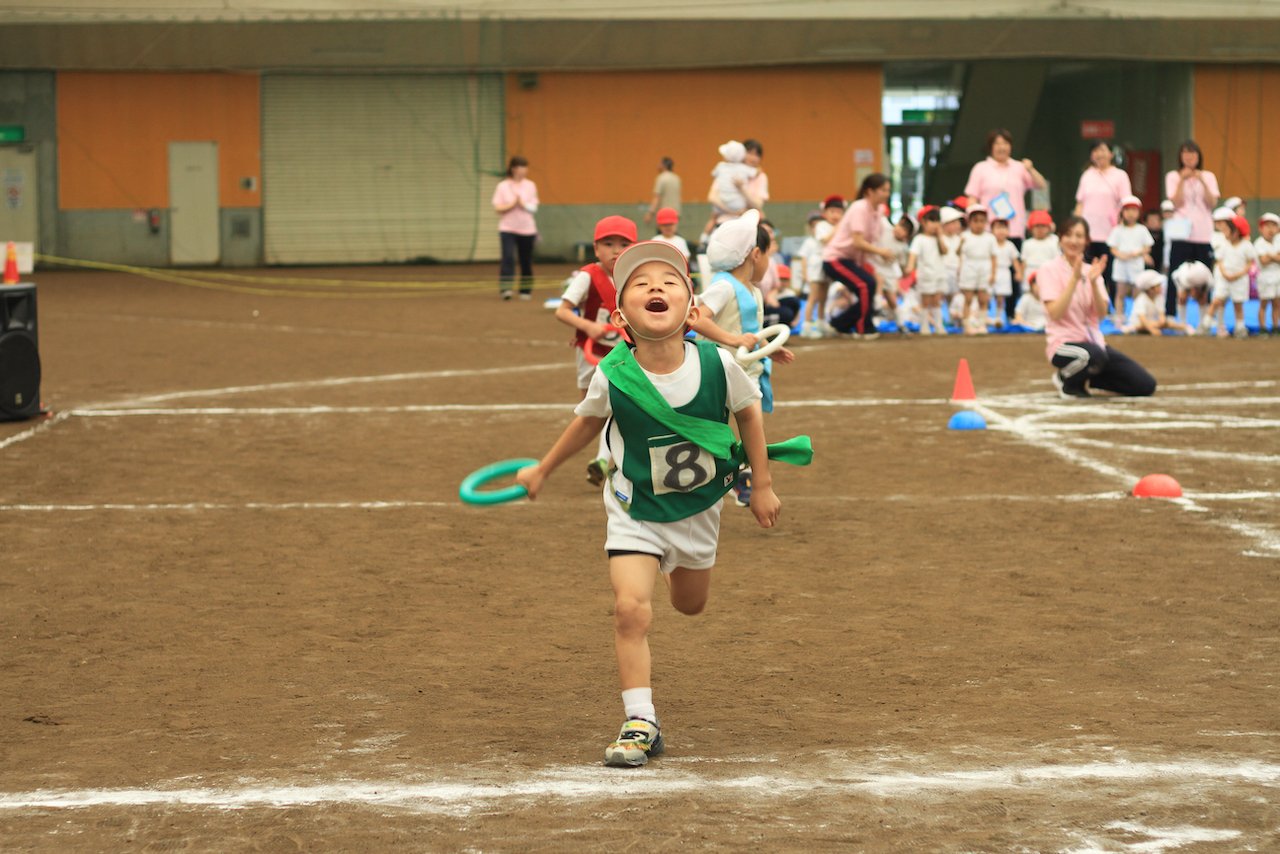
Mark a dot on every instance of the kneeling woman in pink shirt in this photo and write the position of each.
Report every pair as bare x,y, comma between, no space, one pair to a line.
1075,299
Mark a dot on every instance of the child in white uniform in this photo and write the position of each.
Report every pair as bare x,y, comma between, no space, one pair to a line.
730,174
1042,246
1130,244
1008,264
888,271
1029,313
1148,314
1231,281
1268,248
668,221
662,501
977,273
952,221
815,320
925,259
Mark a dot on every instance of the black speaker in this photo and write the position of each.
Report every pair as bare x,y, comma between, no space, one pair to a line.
19,353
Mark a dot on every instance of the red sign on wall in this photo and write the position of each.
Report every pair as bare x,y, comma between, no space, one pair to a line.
1097,129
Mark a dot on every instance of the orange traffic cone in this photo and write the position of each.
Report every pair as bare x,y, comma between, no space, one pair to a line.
11,264
964,383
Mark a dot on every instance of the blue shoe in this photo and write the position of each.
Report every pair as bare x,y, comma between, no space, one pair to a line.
638,740
742,489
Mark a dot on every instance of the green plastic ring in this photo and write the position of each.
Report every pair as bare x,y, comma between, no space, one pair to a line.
470,489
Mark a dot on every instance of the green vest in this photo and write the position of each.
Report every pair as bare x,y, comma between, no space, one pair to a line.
672,477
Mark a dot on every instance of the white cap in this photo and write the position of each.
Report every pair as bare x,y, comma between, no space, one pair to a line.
973,209
1269,217
949,214
1167,205
1148,279
731,243
1233,202
1192,274
733,151
642,253
1131,202
1223,214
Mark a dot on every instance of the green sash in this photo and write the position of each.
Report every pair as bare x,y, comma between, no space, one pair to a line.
625,374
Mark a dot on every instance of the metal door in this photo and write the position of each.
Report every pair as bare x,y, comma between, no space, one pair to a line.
193,203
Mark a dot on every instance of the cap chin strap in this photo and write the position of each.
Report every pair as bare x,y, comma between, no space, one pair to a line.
631,330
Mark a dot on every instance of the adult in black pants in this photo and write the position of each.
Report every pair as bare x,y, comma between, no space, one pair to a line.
844,259
515,200
1075,299
1194,193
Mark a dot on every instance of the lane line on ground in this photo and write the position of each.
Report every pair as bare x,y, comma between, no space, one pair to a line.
590,783
44,425
1195,453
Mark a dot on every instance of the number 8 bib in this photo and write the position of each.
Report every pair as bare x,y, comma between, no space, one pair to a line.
678,466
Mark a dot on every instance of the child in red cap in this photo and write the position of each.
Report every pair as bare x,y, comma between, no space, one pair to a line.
1130,243
668,221
1231,274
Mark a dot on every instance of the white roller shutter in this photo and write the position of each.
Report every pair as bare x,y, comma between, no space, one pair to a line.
380,168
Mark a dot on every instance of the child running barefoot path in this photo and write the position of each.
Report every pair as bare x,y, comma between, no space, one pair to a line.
666,408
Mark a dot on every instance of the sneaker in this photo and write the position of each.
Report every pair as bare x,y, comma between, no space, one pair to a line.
870,336
507,294
1241,331
526,297
742,489
811,331
638,740
1066,393
597,471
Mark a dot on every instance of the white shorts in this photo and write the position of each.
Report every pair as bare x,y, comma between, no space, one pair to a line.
929,285
1004,283
1127,270
1269,286
585,369
975,278
1237,291
690,543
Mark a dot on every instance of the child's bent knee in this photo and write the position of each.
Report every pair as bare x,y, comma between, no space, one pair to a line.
631,614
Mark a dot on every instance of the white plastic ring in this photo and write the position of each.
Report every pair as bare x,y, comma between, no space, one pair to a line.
778,333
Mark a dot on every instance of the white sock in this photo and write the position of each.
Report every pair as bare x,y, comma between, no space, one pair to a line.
638,703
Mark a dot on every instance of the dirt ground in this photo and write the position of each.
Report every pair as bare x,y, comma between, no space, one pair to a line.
243,609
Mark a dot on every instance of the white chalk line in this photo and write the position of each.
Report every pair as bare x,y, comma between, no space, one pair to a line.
593,500
33,431
590,784
1266,540
1157,426
1193,453
253,411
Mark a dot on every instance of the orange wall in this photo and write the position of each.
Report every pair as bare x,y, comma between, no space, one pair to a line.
114,132
1237,125
597,137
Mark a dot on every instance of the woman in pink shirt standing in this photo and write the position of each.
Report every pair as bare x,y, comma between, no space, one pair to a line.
1194,192
1098,196
844,258
1001,183
516,201
1075,300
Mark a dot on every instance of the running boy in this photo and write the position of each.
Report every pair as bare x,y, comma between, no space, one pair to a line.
666,409
589,298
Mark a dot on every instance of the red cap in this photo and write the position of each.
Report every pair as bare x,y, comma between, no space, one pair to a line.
666,216
1039,218
833,202
784,272
961,202
1241,224
924,209
616,226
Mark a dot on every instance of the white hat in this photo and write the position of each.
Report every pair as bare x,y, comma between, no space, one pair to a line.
642,253
1131,202
949,214
733,151
1167,205
1148,279
731,243
973,209
1192,274
1269,217
1223,214
1233,202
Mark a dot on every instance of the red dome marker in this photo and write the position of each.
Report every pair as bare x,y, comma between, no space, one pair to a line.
1157,486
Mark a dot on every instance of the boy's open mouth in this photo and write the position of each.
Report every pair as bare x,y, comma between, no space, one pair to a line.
656,304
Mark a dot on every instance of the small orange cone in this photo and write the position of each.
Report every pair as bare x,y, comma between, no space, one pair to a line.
11,264
1157,486
964,383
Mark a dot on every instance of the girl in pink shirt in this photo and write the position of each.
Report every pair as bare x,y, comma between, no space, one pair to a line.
515,199
1075,300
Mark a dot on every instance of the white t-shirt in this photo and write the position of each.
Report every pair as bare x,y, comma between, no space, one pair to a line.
576,289
977,248
1029,311
727,175
1268,272
929,266
1234,258
677,388
1038,252
675,240
1145,306
1130,238
951,261
889,268
716,295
